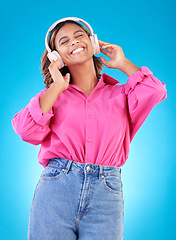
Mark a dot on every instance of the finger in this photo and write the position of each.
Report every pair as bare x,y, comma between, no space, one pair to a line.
53,63
108,46
103,43
100,42
58,60
104,61
107,53
67,77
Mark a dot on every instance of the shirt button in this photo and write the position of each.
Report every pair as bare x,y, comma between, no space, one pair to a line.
90,116
88,100
89,139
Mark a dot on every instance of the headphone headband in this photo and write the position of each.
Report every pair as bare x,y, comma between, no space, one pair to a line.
62,20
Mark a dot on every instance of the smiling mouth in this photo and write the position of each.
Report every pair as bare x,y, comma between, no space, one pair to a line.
77,50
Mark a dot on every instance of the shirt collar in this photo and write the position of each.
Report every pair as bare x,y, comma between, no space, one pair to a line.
104,79
107,79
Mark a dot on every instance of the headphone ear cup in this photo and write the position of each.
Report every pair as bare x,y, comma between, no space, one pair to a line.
60,64
95,43
54,55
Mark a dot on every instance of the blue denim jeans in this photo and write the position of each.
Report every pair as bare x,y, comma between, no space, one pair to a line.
77,201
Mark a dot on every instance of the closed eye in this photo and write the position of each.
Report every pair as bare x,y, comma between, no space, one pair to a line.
64,42
76,37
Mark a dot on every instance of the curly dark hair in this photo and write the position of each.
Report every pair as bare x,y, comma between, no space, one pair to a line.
46,62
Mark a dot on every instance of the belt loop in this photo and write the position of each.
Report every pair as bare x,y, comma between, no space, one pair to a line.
66,170
101,172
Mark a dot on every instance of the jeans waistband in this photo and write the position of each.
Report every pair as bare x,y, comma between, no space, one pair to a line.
88,168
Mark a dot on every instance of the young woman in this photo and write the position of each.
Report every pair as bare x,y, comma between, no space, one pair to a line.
85,123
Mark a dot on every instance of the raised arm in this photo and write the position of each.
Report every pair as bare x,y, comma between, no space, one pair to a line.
142,89
32,123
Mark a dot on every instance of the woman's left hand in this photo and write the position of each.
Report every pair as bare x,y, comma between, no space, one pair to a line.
114,52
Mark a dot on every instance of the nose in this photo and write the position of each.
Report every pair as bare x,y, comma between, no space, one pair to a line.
74,41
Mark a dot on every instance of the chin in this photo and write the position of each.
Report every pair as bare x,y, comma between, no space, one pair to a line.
81,60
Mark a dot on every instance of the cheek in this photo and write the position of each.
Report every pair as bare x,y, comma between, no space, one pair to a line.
91,48
61,53
60,50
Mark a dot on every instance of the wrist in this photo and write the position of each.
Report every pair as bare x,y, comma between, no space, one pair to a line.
128,67
58,86
123,64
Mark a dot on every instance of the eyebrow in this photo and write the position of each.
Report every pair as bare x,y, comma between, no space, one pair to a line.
73,33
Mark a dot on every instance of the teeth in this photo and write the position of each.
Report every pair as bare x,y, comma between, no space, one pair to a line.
77,50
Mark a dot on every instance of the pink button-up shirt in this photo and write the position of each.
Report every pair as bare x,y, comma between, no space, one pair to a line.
94,129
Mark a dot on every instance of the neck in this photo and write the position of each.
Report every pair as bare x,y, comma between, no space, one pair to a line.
84,76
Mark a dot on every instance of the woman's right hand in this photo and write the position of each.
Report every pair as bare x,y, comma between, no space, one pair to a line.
57,76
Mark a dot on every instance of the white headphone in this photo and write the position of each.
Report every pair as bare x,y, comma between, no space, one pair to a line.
54,55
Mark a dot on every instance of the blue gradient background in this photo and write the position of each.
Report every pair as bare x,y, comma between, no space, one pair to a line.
146,33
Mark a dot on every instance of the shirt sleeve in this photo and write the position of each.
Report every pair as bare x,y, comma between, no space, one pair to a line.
31,124
143,91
